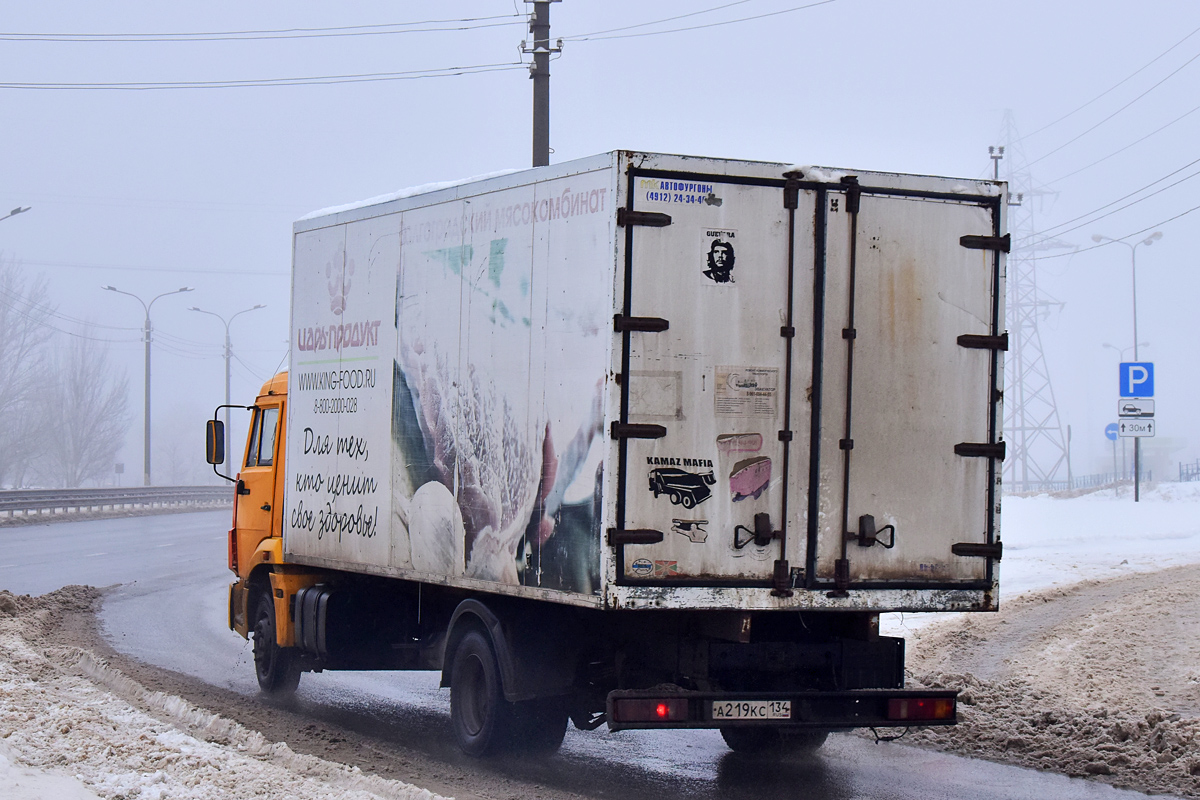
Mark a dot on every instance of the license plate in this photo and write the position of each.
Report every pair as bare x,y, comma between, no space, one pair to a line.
752,709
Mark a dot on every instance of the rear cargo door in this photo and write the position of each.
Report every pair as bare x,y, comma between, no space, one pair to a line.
707,328
909,387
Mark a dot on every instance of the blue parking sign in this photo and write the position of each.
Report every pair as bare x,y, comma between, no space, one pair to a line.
1137,379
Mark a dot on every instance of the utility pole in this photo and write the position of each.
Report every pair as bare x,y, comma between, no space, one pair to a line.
539,71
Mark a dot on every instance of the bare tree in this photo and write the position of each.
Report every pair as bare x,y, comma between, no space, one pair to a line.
85,422
25,310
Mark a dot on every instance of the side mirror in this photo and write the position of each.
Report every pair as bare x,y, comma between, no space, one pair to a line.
214,442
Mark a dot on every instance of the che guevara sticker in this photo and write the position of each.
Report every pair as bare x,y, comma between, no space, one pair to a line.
719,246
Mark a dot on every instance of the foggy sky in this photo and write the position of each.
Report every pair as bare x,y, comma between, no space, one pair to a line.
153,190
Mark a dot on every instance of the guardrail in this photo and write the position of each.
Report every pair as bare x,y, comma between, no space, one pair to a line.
25,502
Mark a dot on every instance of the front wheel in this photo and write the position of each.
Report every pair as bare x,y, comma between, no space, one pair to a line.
772,742
277,668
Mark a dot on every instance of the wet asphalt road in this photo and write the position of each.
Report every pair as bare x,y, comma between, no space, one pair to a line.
170,611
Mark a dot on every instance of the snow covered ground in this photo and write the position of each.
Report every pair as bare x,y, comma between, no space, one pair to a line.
72,728
1051,541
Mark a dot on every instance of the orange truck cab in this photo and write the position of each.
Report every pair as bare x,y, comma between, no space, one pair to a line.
256,543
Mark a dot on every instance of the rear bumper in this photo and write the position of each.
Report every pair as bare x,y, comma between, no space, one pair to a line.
859,708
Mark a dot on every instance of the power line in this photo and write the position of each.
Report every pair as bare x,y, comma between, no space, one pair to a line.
369,77
1047,231
385,29
1172,74
1116,85
1126,147
12,300
597,38
43,323
1126,236
583,36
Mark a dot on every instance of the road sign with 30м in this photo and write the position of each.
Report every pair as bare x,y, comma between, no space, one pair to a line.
1137,428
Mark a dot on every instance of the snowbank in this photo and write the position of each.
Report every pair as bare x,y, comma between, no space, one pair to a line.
89,731
1092,666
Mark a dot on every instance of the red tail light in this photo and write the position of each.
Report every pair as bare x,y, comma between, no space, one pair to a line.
642,710
919,708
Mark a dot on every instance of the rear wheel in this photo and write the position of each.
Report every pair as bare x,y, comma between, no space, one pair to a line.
482,717
277,668
772,742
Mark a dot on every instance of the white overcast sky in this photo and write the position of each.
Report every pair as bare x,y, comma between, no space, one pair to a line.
153,190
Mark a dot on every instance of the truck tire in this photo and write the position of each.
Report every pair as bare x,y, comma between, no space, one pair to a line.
482,718
277,668
772,743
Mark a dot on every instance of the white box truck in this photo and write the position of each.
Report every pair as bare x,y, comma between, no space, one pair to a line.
639,440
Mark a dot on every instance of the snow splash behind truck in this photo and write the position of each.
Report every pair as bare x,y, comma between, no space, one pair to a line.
637,440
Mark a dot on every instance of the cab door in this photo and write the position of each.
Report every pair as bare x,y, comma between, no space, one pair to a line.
256,481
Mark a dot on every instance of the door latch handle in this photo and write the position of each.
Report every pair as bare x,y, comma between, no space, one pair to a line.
266,506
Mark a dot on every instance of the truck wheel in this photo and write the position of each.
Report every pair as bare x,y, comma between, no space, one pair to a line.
687,500
772,742
482,717
277,668
540,726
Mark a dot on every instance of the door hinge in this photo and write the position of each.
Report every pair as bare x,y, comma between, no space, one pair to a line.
980,449
628,430
841,578
791,192
980,550
853,193
617,536
980,342
622,323
1001,243
654,219
782,579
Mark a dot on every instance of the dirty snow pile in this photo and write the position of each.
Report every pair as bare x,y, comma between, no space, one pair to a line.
72,727
1096,671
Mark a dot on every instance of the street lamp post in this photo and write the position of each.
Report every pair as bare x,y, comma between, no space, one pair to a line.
146,331
228,355
1149,240
14,212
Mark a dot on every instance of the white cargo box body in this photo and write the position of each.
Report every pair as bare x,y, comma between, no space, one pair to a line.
650,381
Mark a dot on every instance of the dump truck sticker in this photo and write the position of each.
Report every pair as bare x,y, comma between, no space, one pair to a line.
687,489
